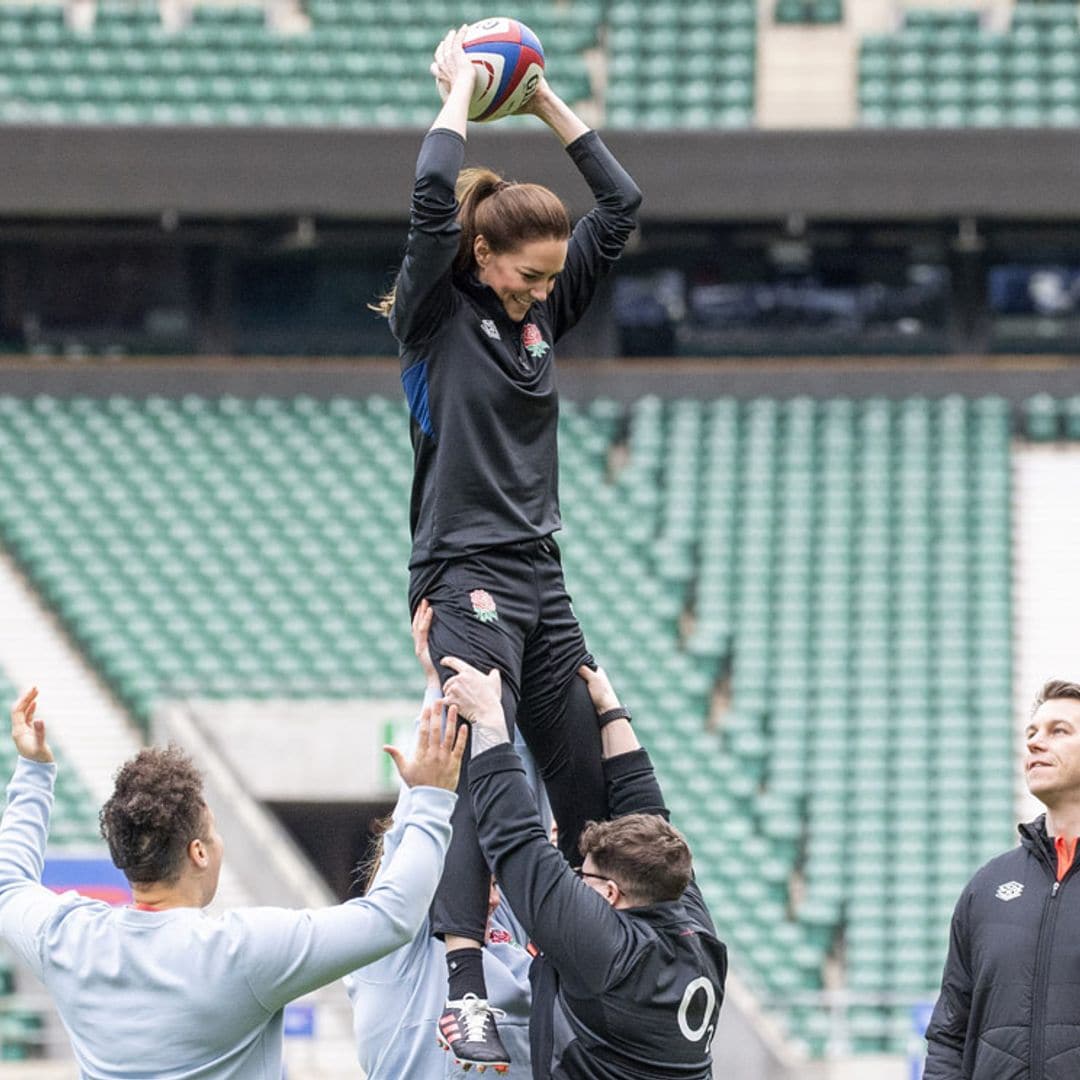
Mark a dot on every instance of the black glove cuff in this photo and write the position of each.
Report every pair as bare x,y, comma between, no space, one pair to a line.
605,718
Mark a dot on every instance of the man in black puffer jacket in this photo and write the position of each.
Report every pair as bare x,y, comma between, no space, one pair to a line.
1009,1007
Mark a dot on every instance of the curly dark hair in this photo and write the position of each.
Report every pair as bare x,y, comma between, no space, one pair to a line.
156,809
646,855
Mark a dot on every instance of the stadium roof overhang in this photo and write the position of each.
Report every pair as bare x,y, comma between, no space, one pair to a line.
732,176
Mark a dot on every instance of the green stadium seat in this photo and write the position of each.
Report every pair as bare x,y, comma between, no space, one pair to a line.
1010,77
838,620
1041,419
229,67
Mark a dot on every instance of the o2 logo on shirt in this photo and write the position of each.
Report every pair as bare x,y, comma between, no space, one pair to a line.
706,1028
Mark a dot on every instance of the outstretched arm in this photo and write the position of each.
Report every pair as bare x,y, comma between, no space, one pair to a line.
549,107
290,953
600,236
616,734
573,924
422,295
455,79
632,785
25,904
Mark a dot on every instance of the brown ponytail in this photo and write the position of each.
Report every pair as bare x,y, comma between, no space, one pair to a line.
507,214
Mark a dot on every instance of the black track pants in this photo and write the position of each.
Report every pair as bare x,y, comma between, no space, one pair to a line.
508,608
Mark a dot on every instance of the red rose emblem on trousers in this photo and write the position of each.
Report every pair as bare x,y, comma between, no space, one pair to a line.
483,606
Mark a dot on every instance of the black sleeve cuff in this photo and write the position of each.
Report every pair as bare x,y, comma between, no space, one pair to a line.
582,145
615,768
501,758
439,132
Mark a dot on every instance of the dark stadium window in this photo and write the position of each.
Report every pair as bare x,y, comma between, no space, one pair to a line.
103,299
309,304
1034,307
783,297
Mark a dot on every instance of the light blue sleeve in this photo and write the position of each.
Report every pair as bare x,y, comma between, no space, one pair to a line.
290,953
25,904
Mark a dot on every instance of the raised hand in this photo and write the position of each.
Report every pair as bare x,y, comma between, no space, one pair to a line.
421,627
541,100
452,64
27,731
479,699
600,689
477,696
549,107
436,761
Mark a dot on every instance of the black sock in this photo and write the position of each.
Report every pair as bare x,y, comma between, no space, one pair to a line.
465,971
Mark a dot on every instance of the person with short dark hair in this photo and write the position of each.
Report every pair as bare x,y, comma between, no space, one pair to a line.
630,977
160,988
157,805
1007,1008
643,849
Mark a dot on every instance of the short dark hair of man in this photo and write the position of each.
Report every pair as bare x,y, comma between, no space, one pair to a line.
156,809
644,855
1054,690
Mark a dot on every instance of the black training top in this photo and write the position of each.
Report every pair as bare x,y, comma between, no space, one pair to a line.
631,994
481,388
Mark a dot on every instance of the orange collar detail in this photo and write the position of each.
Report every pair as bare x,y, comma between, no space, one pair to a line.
1066,852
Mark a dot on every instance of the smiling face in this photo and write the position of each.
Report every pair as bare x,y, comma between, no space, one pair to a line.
1052,739
523,276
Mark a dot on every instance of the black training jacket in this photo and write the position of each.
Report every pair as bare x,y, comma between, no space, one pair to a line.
1009,1007
480,387
617,995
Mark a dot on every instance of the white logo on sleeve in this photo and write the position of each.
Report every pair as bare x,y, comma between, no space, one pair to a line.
489,328
1009,891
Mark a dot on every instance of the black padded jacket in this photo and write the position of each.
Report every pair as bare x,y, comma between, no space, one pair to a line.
1009,1007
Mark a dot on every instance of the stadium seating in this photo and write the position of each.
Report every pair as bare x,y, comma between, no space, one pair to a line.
809,12
364,63
1046,418
806,604
945,69
681,64
361,63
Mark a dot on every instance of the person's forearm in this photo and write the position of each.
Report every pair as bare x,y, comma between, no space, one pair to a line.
632,787
454,115
558,116
24,828
618,737
488,732
295,952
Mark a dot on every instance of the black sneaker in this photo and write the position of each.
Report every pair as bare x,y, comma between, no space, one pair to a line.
467,1029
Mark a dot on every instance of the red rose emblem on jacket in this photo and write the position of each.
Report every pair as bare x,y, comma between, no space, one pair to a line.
532,340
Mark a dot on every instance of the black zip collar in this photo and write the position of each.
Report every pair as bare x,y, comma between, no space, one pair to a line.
485,296
1036,839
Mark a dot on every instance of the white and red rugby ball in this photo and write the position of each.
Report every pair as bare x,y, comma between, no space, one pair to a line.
511,63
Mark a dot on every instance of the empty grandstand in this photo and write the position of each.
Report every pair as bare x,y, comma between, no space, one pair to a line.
819,442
